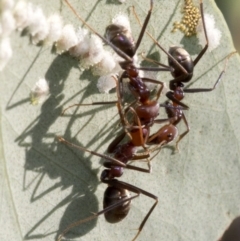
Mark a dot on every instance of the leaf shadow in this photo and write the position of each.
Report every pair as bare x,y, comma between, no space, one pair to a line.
49,159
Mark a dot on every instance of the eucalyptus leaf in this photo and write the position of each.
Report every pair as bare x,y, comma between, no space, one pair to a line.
46,185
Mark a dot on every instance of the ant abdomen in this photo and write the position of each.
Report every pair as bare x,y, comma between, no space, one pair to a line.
183,58
165,135
112,196
120,37
148,113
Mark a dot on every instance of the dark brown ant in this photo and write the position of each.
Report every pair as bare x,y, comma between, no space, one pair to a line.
117,200
144,109
139,131
176,85
177,90
147,110
183,61
175,113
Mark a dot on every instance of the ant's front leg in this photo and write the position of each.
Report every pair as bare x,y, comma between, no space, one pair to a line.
217,81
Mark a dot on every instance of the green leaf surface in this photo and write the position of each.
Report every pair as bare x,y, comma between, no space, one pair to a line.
46,185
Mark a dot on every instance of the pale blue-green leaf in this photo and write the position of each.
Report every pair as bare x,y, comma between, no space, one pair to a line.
45,186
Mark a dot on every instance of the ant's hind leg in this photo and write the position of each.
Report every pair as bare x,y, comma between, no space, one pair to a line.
93,103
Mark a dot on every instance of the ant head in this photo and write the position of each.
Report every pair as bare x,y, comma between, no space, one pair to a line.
120,37
183,58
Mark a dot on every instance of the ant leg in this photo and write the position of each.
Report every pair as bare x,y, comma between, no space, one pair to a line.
157,148
155,82
144,27
113,160
184,133
156,42
206,37
121,112
155,62
120,85
137,138
218,79
127,126
93,103
122,186
157,69
161,121
141,191
112,147
136,157
95,215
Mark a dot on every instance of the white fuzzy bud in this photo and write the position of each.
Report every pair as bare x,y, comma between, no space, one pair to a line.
67,40
6,5
38,26
55,26
83,44
122,19
39,92
95,53
106,83
106,65
214,34
7,23
23,13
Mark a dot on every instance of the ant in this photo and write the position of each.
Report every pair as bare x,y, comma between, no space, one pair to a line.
139,131
117,199
176,85
175,113
118,39
145,109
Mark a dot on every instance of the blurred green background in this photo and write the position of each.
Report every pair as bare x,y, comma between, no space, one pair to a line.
231,12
